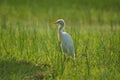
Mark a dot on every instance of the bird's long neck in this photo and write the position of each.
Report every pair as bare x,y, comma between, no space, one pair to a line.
60,28
60,32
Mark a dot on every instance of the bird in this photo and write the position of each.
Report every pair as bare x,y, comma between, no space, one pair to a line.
65,39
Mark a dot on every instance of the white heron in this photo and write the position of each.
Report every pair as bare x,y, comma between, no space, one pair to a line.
65,39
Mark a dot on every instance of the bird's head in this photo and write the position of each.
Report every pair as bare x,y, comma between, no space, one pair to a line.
60,22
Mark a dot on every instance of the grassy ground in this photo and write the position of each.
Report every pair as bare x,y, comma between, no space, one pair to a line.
29,49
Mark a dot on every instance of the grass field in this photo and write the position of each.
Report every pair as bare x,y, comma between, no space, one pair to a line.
29,49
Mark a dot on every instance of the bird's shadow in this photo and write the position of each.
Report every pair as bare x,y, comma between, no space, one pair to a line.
23,70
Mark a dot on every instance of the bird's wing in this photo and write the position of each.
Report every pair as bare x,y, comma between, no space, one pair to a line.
68,43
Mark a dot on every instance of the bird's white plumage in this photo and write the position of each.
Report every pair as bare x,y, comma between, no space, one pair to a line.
65,39
67,44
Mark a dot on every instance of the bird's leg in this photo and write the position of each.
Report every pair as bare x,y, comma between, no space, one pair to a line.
66,58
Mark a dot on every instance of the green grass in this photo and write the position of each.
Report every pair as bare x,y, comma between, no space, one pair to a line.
29,49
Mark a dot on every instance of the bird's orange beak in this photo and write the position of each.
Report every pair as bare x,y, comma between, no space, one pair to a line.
53,22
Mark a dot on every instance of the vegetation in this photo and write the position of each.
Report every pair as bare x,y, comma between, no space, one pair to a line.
29,49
